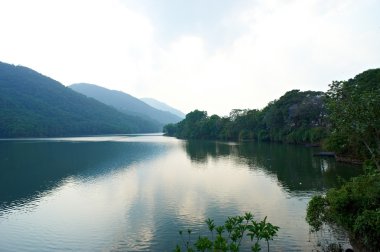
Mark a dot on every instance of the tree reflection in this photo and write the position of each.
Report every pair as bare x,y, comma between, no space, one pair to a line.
200,151
294,166
29,169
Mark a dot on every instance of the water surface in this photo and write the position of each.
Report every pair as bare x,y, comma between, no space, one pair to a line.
133,193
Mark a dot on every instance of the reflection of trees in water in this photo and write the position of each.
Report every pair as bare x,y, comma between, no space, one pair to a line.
200,151
295,166
29,169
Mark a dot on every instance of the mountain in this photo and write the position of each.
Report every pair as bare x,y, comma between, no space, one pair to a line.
125,103
33,105
162,106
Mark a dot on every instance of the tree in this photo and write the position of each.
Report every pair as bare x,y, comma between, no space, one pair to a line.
170,129
354,207
354,113
297,117
193,126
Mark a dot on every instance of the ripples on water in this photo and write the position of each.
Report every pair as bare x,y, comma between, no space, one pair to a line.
133,193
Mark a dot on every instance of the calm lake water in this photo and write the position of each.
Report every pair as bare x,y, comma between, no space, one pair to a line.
133,193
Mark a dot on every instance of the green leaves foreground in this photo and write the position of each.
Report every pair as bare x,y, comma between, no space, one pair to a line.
355,207
228,237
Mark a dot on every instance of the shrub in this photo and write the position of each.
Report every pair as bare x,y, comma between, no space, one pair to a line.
228,237
355,207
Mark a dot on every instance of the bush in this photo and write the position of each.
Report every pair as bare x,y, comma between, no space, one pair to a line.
355,207
228,237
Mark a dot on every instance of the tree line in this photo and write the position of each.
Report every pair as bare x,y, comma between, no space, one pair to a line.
353,132
296,117
345,119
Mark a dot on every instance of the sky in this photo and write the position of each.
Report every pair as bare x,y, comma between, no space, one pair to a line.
212,55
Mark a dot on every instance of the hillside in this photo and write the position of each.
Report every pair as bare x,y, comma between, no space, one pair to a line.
33,105
162,106
125,103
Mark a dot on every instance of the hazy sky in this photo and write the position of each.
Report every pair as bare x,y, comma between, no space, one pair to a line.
213,55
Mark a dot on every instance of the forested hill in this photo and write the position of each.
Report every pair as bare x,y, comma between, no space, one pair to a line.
33,105
125,103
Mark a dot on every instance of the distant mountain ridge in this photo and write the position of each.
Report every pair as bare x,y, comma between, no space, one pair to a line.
34,105
162,106
125,103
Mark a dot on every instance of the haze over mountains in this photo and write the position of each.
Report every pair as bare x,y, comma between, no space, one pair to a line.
34,105
125,103
163,106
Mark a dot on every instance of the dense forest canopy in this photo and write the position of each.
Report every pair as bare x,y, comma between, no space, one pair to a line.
354,133
296,117
33,105
346,117
354,114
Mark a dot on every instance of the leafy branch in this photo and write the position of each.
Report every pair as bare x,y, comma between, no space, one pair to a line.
229,236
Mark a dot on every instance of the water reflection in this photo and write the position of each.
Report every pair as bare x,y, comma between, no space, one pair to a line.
295,167
200,151
134,194
31,168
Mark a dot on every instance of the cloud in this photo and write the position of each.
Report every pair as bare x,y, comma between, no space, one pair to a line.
90,41
286,45
243,56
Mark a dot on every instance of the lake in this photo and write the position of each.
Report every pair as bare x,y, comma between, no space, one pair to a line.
134,193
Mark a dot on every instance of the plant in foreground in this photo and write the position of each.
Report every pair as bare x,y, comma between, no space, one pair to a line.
228,237
355,207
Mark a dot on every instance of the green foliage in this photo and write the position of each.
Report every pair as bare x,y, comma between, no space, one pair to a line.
355,207
33,105
170,129
348,115
314,215
297,117
290,118
194,126
354,114
229,236
367,227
